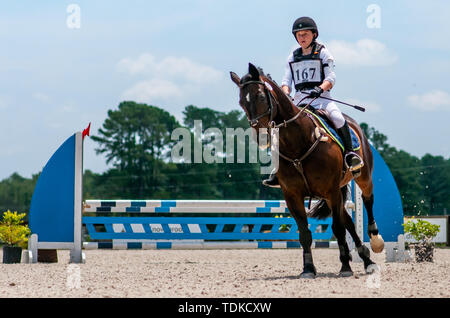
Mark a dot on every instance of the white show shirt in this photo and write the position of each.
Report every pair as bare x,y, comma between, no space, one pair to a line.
334,112
330,76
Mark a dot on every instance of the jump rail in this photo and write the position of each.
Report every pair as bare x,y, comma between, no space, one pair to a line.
232,227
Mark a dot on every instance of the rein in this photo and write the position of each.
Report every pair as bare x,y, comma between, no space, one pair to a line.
285,122
272,125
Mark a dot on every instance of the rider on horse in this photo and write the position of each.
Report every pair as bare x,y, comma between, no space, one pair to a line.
311,69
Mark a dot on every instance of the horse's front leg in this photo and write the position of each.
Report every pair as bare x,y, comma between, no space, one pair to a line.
296,205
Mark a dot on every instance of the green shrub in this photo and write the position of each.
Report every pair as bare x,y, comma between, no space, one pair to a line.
421,230
12,230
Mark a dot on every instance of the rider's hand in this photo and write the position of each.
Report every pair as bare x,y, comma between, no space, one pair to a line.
316,92
287,91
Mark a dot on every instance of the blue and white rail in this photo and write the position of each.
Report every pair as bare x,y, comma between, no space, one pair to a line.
166,231
186,206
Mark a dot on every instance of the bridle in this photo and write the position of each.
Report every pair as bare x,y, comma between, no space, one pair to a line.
254,121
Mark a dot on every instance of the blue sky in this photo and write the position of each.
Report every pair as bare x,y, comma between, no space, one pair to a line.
54,80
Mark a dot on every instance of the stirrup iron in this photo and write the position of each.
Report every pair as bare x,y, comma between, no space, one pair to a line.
353,167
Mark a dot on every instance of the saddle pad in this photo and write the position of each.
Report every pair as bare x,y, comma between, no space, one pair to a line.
334,135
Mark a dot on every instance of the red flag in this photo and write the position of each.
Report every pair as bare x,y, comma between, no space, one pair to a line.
86,131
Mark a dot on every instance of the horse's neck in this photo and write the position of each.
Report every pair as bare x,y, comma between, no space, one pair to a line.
295,138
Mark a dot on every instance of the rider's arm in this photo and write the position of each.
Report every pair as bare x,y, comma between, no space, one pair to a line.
330,76
286,89
326,85
286,83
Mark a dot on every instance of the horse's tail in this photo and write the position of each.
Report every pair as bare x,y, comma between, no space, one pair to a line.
320,210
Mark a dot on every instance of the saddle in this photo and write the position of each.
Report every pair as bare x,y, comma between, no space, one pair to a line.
325,129
322,121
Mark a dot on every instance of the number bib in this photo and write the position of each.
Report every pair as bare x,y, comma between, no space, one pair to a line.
307,73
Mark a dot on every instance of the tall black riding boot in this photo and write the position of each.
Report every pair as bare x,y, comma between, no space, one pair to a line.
351,159
272,181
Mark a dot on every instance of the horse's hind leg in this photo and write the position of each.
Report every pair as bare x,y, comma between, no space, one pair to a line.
344,252
336,202
363,251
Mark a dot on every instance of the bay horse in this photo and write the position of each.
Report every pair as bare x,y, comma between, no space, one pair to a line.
308,168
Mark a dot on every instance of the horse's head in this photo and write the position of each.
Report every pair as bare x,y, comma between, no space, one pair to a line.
255,98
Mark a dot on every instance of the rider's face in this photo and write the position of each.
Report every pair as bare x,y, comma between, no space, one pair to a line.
304,38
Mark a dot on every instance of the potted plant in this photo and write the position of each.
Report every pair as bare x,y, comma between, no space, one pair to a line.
14,235
423,232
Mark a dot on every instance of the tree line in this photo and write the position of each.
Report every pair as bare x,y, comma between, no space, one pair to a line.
136,140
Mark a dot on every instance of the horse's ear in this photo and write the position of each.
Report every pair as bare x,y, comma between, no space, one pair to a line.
235,78
253,71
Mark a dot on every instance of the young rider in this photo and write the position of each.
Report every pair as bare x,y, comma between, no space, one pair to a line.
310,68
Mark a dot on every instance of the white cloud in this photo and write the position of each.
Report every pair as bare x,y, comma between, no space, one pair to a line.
432,101
179,68
3,103
142,64
365,52
41,97
190,70
166,79
151,89
69,108
370,106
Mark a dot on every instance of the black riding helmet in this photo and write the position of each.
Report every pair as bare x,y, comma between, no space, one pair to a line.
305,23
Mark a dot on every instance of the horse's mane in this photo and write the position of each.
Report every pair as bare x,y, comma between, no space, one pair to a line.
282,98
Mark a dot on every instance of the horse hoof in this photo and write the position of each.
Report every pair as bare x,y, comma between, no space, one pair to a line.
346,274
372,268
308,275
376,243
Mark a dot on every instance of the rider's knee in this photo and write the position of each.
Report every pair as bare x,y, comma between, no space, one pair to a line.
337,118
